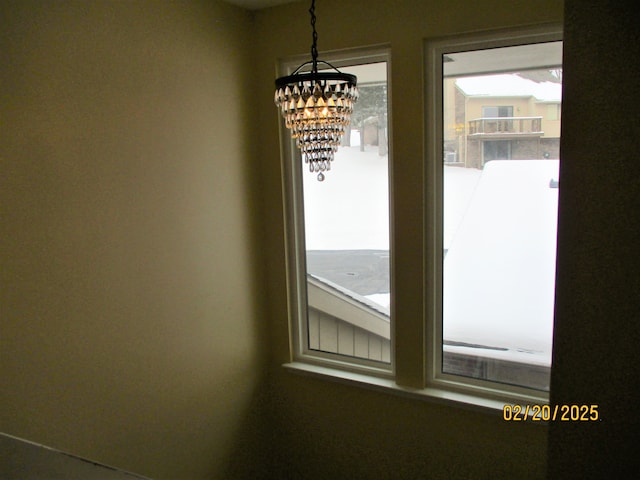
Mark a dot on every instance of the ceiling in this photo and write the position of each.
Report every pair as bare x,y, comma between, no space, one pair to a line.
503,59
258,4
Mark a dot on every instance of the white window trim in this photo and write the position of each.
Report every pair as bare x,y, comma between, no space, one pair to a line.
427,380
434,49
298,295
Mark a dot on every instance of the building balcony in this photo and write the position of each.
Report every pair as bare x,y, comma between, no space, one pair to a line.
497,127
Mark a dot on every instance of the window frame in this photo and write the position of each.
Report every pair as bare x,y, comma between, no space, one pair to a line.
421,377
292,168
434,205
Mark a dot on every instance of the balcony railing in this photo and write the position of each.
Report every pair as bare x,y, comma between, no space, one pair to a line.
507,126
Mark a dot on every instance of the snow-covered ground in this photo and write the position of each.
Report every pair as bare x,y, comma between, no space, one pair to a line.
499,233
499,271
349,210
459,187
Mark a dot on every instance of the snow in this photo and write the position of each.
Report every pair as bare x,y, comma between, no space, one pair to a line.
507,85
499,233
383,299
459,187
349,210
499,271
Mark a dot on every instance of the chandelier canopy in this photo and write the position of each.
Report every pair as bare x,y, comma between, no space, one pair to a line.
317,107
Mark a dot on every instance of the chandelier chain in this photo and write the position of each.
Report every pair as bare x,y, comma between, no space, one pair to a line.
314,45
316,107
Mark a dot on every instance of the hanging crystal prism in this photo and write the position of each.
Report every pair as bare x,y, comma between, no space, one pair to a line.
317,112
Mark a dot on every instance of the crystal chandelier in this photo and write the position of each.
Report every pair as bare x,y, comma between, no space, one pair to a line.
316,107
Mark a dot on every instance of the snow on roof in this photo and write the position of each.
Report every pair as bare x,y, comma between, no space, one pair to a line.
365,301
509,85
499,271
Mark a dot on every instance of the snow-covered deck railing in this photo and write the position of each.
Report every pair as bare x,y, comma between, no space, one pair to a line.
496,126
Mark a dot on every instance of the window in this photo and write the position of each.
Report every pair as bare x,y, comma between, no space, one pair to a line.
495,213
493,112
340,229
490,204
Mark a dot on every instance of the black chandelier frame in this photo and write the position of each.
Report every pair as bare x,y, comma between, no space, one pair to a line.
314,76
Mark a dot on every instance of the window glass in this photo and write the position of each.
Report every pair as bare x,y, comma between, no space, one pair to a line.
346,225
500,194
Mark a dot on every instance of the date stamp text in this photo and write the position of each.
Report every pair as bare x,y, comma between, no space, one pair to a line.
550,413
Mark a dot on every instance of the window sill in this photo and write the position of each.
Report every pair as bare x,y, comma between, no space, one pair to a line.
434,395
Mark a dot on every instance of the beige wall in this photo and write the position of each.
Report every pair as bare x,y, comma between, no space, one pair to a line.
131,303
326,430
522,106
551,114
130,309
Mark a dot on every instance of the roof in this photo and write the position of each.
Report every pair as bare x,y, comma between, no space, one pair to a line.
343,292
499,271
347,306
509,85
